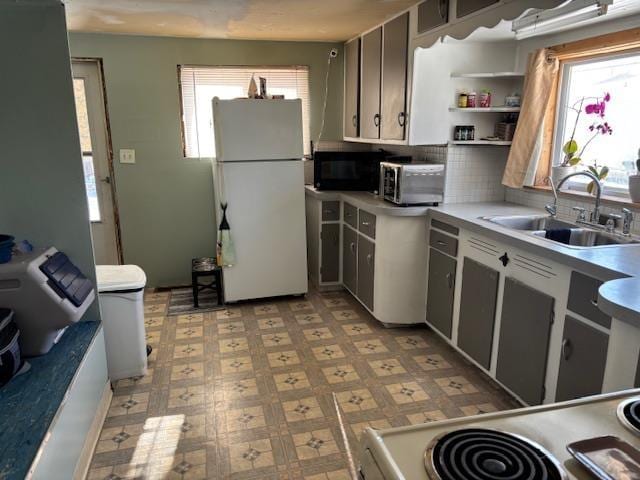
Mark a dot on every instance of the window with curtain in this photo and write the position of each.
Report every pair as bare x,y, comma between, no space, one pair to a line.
610,82
199,84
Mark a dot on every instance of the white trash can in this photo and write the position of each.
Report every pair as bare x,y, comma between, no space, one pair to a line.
121,296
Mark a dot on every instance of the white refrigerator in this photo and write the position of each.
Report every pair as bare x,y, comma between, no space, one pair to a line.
258,173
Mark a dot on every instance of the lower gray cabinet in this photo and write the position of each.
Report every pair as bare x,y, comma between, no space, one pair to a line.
350,259
477,311
441,286
583,359
525,328
366,270
330,247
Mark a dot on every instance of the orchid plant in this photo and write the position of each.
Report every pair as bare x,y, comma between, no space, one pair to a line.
573,154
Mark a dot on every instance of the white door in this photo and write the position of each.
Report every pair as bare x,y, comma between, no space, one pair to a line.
94,139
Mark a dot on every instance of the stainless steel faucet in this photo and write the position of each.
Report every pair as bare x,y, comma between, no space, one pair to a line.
627,218
553,208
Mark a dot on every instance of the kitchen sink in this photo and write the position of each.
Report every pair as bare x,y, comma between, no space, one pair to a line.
528,222
581,237
585,237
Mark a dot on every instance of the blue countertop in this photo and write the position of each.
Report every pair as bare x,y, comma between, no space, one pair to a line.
29,402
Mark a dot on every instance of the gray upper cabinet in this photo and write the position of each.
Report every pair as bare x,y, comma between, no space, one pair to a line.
525,329
465,7
432,14
441,286
394,78
370,84
582,362
350,259
477,311
330,264
366,270
351,88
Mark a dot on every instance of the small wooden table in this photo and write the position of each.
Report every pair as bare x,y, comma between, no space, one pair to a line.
206,267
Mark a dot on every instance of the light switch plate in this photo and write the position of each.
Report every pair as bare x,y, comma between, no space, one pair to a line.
127,155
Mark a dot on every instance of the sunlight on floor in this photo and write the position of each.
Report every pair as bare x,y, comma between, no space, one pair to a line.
159,438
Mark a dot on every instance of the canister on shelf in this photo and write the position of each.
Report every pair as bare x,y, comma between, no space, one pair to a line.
462,100
485,99
471,99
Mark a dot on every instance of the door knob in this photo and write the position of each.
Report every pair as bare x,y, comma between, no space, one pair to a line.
106,180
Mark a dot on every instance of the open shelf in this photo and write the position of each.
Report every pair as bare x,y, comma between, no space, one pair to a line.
501,109
488,75
480,142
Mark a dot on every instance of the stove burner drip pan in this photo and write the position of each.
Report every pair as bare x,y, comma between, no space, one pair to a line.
629,414
485,454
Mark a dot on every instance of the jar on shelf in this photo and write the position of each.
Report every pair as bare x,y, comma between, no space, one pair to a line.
471,100
485,99
462,100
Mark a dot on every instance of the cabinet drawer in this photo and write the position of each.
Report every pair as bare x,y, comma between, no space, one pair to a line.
444,243
350,214
367,223
330,211
445,227
583,298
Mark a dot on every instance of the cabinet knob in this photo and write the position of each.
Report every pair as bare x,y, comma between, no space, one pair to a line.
402,117
449,278
369,258
352,246
376,119
354,120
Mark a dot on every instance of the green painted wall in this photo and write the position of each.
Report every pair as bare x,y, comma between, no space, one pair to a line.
166,201
42,193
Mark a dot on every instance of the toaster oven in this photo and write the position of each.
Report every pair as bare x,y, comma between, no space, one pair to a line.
412,183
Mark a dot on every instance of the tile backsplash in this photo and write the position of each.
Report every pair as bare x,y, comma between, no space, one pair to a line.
474,174
538,199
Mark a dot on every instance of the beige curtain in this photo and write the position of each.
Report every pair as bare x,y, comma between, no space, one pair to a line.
539,84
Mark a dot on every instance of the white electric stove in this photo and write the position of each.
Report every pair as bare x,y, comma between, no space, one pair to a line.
527,443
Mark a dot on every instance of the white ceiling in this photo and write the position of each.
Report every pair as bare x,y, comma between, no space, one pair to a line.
307,20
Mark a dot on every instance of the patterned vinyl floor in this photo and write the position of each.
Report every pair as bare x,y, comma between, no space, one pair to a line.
246,393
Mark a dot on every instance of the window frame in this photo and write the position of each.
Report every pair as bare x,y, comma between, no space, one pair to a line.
179,68
561,114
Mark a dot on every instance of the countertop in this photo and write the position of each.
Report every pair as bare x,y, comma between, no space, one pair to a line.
368,201
31,401
617,265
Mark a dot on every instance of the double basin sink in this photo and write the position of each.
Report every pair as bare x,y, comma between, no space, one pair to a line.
581,237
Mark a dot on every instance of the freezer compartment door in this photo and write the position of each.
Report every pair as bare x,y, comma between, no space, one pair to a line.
267,219
257,130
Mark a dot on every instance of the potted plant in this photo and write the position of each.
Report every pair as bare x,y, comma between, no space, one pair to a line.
634,183
572,152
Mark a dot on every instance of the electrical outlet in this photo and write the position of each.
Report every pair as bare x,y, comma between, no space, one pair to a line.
127,155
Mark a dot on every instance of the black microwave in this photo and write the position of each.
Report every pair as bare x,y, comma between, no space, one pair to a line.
347,170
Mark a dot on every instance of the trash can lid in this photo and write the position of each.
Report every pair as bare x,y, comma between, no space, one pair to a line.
119,277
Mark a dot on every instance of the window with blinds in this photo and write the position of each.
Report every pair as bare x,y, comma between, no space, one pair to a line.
199,84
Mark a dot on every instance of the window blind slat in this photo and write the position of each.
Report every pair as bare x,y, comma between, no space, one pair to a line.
199,84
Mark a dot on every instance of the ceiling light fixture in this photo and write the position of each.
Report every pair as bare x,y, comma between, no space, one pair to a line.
570,15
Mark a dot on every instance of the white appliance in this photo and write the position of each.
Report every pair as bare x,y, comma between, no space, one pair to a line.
258,172
527,443
47,292
121,296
